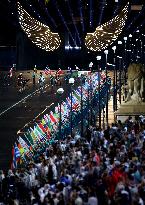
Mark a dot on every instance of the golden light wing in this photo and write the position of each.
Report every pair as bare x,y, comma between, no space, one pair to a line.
37,32
107,33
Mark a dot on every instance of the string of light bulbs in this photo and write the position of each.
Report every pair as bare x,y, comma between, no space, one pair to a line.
107,33
39,33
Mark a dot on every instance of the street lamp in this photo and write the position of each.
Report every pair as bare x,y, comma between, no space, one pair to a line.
119,78
125,40
120,42
90,66
99,100
130,35
114,81
71,82
106,53
130,47
60,91
82,120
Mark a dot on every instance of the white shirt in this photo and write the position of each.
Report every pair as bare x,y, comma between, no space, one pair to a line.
92,201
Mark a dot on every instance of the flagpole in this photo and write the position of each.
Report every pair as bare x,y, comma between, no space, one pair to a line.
99,97
71,82
107,97
60,91
81,107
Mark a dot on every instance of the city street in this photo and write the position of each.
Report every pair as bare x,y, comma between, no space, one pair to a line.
18,110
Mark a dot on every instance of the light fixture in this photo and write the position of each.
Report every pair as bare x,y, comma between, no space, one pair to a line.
114,48
130,35
107,33
111,64
125,38
60,91
90,64
119,42
98,58
71,81
106,52
37,32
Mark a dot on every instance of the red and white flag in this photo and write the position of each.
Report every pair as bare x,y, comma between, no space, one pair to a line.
11,72
47,70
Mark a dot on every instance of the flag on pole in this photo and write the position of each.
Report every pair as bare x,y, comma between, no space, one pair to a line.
47,70
16,156
52,118
59,71
11,72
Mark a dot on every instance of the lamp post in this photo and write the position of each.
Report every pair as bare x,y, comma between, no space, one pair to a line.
130,47
119,78
82,126
124,65
99,100
60,91
90,95
106,53
114,81
71,82
90,66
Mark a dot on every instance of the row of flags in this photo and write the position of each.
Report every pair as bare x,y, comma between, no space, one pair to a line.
41,134
48,71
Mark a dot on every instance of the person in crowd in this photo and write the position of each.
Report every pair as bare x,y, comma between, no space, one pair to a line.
34,77
20,82
41,81
103,167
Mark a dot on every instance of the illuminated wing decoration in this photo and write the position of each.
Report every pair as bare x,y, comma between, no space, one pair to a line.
107,33
37,32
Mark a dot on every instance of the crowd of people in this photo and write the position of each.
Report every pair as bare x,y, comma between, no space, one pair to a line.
104,167
20,81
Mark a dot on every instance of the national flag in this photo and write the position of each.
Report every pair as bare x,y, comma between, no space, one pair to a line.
77,95
16,156
45,130
68,102
29,140
17,152
22,158
38,134
42,128
25,147
76,107
21,149
47,70
52,117
57,109
43,121
11,72
48,130
59,72
35,139
46,122
64,106
29,137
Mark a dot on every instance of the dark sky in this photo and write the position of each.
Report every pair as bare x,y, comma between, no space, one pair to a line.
101,11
